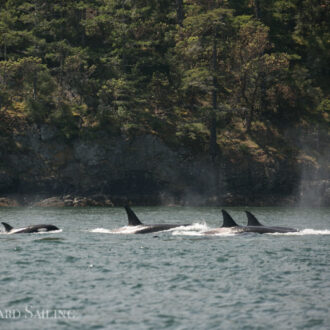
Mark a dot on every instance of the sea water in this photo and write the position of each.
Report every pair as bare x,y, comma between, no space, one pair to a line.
88,276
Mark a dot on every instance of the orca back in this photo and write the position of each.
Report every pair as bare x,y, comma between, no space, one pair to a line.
133,220
252,220
8,228
228,221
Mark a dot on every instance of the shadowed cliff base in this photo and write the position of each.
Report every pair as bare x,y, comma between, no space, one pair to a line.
164,199
40,167
139,200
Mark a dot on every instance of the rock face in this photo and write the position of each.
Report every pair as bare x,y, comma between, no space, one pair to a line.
50,202
75,201
109,170
8,202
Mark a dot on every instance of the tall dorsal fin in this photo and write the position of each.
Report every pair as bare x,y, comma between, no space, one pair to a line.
228,221
252,220
133,220
7,227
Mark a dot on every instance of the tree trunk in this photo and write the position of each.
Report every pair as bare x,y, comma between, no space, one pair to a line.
5,52
34,85
179,12
4,67
257,8
249,120
213,121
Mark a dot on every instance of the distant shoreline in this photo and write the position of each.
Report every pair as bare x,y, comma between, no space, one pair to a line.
101,200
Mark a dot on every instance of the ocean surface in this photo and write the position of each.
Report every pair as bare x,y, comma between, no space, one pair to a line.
85,276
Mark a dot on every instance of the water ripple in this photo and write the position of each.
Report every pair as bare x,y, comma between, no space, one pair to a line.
174,280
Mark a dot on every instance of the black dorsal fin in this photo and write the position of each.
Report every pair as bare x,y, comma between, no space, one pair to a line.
7,227
228,221
133,220
252,220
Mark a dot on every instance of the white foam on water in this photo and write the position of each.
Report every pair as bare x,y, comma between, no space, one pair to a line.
193,229
121,230
225,232
221,232
196,229
229,234
99,230
305,232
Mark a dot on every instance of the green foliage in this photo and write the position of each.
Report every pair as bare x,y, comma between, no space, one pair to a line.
195,136
133,67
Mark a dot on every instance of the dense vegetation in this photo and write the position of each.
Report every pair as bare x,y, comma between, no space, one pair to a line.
197,73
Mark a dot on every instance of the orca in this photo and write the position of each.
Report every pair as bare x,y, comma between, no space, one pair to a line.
254,222
141,228
30,229
254,226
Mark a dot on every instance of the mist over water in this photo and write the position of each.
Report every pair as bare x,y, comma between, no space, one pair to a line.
88,277
312,190
314,184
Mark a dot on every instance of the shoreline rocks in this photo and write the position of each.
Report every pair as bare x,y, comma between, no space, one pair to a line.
74,201
101,200
8,202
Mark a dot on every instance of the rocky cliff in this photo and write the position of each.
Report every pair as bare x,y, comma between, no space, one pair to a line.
106,170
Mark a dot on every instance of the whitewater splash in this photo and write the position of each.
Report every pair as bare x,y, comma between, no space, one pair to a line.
196,229
121,230
194,232
193,229
200,230
305,232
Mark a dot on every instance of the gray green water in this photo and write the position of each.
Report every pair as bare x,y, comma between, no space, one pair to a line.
85,277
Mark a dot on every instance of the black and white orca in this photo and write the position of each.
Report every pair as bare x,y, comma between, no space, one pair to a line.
141,228
254,226
254,222
30,229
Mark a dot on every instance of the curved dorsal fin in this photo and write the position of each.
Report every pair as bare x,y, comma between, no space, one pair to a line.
228,221
252,220
7,227
133,220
